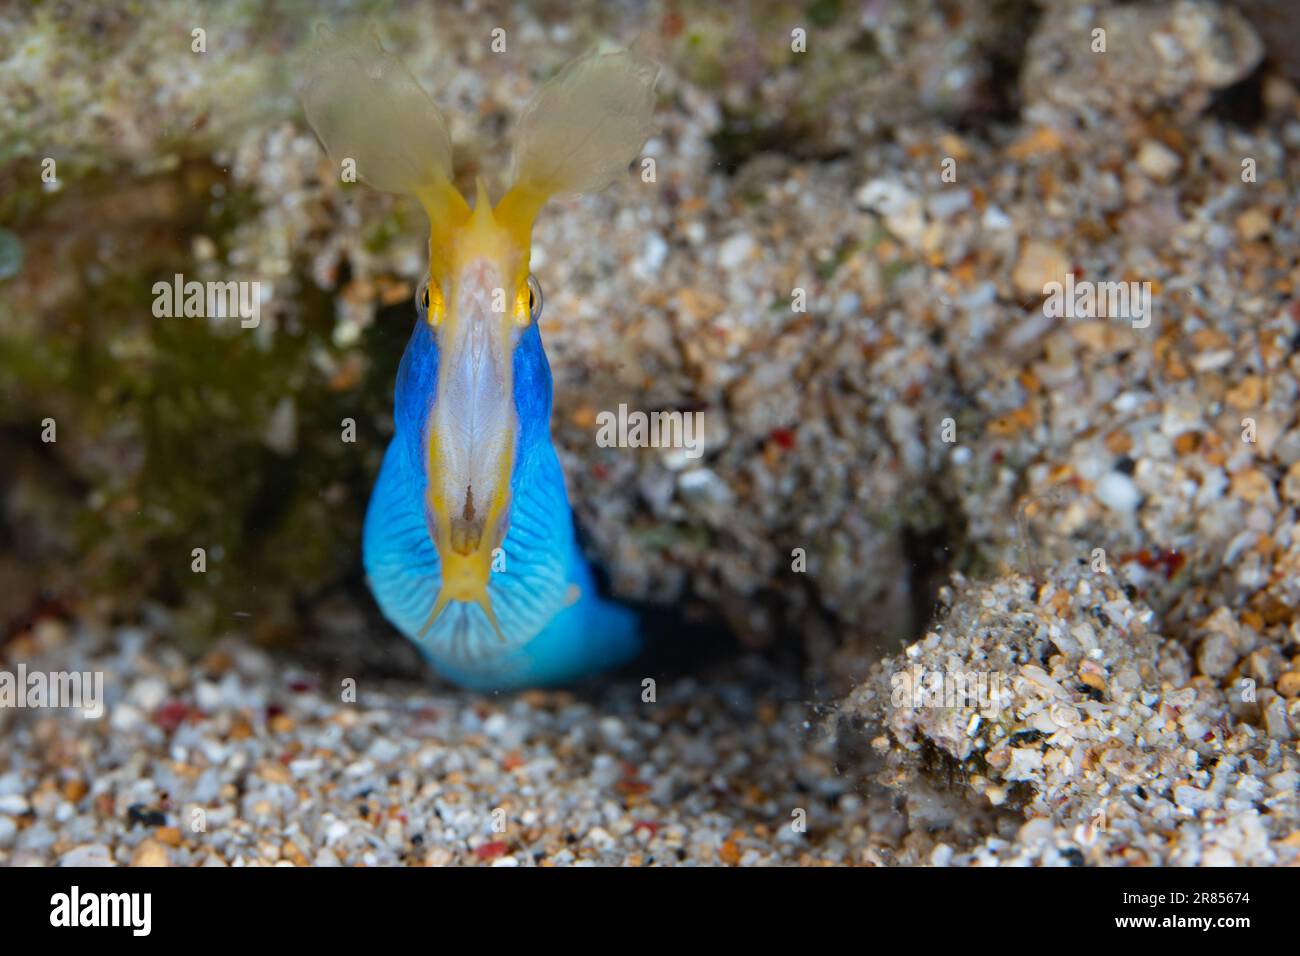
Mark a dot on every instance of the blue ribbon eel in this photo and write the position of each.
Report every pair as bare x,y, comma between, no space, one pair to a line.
469,545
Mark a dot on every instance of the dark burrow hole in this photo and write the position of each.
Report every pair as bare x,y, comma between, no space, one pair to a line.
695,639
998,99
932,555
691,638
1242,103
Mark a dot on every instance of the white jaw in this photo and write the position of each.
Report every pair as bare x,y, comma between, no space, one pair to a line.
473,425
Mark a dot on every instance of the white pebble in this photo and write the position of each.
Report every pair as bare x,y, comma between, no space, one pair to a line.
305,767
946,204
91,854
653,254
207,695
1157,160
1117,492
734,251
897,205
1024,763
995,220
148,693
384,750
14,803
126,717
1193,798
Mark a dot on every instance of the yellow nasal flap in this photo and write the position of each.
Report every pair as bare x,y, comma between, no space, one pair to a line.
580,132
368,109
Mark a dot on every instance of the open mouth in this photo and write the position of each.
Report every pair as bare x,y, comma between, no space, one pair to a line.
473,427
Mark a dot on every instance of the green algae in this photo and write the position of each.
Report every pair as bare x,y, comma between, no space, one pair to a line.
161,422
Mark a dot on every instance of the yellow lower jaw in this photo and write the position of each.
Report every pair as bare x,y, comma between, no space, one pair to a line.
465,579
466,571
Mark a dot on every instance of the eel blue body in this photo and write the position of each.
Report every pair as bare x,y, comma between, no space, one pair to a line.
469,544
547,639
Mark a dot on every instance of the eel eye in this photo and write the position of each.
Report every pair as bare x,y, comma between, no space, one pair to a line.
534,298
424,300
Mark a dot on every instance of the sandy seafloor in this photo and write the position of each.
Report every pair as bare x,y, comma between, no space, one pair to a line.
1151,697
